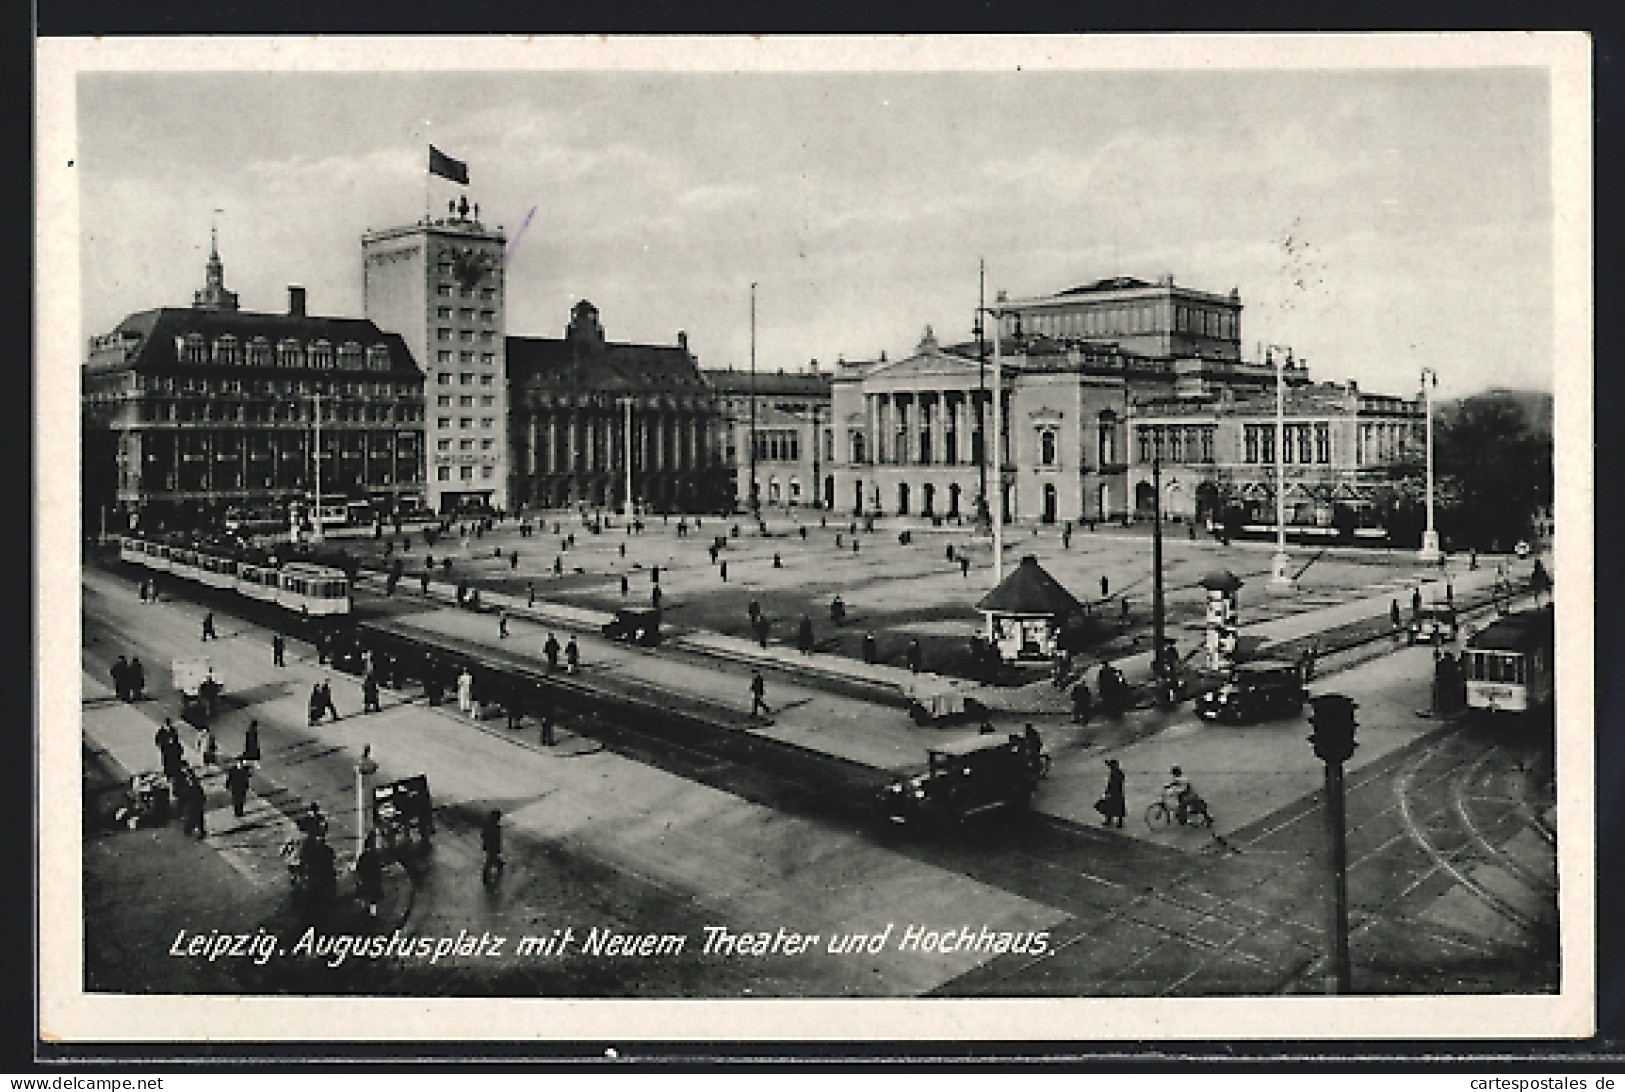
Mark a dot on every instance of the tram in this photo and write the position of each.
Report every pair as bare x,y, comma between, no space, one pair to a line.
1509,663
301,587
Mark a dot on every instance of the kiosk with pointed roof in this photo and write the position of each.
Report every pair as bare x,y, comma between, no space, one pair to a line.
1027,612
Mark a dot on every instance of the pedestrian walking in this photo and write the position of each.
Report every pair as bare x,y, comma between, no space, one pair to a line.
1416,603
491,845
655,596
161,740
279,651
837,611
193,804
1393,613
1105,588
369,694
237,781
916,657
871,649
550,649
964,566
513,560
465,692
369,875
1113,805
121,678
804,636
138,680
626,585
143,591
515,707
251,742
758,690
530,593
423,581
754,610
1066,536
763,628
208,627
546,715
1124,614
722,571
1082,702
572,657
326,687
502,625
209,746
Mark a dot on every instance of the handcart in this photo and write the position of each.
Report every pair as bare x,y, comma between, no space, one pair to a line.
933,699
199,682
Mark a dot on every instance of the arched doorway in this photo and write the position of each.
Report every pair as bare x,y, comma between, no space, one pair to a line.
1105,501
1145,500
1049,502
953,501
1207,502
902,498
829,491
857,497
928,499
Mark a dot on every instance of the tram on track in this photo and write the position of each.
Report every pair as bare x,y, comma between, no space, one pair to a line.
1508,664
301,587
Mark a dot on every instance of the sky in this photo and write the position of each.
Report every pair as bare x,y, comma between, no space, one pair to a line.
1377,221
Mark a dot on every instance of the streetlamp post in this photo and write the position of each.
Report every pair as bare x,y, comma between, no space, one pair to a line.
996,505
982,506
1281,574
755,502
817,443
316,426
1430,537
626,509
1158,671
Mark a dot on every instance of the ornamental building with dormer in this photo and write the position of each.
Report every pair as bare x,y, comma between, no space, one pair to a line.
191,412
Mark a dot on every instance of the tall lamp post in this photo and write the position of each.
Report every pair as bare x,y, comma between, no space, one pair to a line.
1158,667
1430,537
755,502
982,506
996,503
1281,574
817,443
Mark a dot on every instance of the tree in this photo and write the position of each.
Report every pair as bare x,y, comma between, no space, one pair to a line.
1493,472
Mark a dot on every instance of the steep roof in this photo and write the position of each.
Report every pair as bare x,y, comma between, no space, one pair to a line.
147,340
602,366
1029,589
740,382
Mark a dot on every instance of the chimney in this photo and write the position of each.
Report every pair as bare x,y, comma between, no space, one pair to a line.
813,365
682,340
296,300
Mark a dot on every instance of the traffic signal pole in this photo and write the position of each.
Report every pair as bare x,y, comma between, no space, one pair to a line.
1340,979
1332,720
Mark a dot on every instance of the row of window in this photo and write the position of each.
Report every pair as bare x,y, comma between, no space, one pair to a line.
465,379
444,444
445,333
464,422
253,413
1127,319
1301,444
464,473
445,356
466,401
1177,443
776,446
467,314
448,290
192,384
288,353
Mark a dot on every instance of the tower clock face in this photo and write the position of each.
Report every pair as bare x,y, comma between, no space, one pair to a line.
469,266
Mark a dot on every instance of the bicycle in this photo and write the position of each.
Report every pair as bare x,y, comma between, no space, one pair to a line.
1163,812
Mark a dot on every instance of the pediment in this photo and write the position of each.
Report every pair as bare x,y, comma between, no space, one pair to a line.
934,364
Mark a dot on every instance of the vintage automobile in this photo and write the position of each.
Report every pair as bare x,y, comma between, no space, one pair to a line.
634,626
1258,690
1434,624
965,777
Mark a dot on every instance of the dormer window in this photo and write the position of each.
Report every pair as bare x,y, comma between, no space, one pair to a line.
321,354
225,349
193,349
259,352
350,356
289,353
378,358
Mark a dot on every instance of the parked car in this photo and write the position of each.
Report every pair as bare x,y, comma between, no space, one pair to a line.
634,626
966,777
1259,690
1433,623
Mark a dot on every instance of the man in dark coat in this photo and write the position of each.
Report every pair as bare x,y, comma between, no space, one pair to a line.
193,803
279,651
572,656
369,875
138,679
1082,702
550,649
237,779
758,690
251,742
121,678
369,694
1112,804
208,627
491,845
804,636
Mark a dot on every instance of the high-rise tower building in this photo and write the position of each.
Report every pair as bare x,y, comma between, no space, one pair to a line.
439,283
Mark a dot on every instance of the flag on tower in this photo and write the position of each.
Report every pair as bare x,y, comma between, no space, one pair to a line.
446,167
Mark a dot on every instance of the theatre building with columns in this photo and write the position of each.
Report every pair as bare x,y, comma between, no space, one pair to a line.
573,400
1088,378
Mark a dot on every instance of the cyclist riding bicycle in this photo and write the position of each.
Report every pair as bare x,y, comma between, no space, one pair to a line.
1180,792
